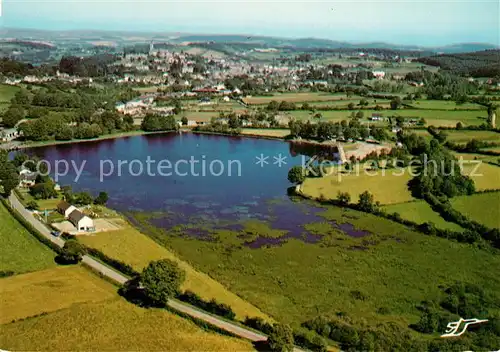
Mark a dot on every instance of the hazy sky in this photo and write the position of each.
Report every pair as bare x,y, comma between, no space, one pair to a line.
396,21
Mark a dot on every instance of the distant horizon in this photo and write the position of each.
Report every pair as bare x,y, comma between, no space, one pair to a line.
400,22
242,34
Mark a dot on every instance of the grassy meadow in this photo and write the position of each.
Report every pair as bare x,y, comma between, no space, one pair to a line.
419,211
137,250
297,281
485,176
7,92
465,136
49,290
388,188
444,105
432,117
113,325
482,207
21,252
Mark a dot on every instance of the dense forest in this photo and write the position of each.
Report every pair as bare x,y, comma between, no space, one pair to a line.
477,64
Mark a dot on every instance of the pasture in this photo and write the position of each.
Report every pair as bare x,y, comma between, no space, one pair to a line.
419,212
294,98
465,136
444,105
43,204
432,117
27,295
21,251
387,186
482,207
392,266
113,325
7,92
485,176
138,250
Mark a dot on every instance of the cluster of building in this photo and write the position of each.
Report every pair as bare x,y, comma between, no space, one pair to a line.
79,220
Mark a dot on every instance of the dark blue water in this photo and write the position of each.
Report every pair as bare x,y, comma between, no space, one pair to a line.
217,181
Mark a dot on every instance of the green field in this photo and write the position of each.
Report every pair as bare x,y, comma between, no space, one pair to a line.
432,117
465,136
394,267
7,92
444,105
21,252
387,186
43,204
419,212
483,208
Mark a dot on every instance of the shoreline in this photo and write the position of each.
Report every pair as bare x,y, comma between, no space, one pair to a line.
74,141
22,146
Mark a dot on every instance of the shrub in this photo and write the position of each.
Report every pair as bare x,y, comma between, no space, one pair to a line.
258,323
162,280
211,306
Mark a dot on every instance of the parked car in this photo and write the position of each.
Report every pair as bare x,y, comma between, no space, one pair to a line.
55,233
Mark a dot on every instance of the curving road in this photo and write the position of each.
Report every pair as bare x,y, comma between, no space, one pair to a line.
120,278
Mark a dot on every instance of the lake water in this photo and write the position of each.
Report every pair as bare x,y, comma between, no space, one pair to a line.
203,179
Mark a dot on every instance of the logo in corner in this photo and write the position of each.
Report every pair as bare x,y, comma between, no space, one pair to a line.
461,325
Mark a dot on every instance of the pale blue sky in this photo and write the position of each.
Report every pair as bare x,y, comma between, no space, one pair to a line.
396,21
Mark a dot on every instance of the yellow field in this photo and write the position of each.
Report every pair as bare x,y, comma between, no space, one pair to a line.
294,98
390,188
26,295
485,177
266,132
113,326
137,250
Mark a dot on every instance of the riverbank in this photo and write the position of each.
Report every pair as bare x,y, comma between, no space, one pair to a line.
257,133
22,145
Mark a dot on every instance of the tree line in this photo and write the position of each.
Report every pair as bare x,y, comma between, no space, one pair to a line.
328,130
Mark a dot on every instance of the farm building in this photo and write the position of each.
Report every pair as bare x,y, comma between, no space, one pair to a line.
65,208
376,117
9,134
27,178
81,221
379,74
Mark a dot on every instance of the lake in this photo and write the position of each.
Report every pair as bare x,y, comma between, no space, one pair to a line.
186,178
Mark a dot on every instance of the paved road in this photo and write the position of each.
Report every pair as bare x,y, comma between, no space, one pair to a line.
118,277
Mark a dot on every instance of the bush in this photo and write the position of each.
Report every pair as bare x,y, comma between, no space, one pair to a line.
72,252
32,205
258,323
358,295
211,306
281,338
6,273
310,340
162,280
